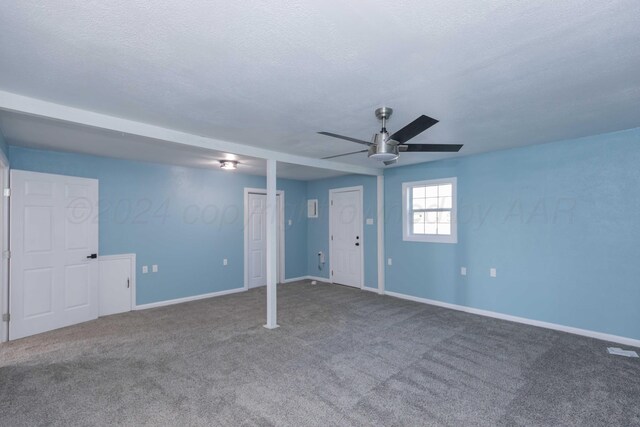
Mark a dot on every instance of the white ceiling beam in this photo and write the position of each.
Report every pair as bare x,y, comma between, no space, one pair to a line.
36,107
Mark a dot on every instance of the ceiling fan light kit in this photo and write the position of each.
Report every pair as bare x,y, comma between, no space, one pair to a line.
383,149
386,148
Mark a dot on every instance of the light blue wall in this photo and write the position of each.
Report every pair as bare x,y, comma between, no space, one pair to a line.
185,220
559,221
318,228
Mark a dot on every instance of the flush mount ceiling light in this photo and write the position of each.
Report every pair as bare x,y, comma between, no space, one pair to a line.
229,164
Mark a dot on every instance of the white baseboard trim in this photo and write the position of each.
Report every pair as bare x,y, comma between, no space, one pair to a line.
367,288
295,279
187,299
547,325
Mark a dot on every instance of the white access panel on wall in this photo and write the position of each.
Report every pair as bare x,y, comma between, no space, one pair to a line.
117,284
54,246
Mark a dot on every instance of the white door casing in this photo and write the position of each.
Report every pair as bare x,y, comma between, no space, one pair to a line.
4,246
116,286
255,258
54,232
346,242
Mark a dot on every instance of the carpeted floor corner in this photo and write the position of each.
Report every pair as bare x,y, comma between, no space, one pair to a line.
341,357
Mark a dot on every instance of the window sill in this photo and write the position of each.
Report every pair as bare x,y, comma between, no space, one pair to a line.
431,239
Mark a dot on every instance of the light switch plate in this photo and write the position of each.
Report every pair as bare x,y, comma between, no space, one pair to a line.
463,271
154,268
145,269
225,262
389,261
290,222
492,272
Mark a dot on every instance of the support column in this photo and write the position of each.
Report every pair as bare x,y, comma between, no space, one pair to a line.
272,246
380,210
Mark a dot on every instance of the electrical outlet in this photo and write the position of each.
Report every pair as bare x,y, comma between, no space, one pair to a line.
290,222
154,268
369,221
145,269
389,261
463,271
225,262
492,272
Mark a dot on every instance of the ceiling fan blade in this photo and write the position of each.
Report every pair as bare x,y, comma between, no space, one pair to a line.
414,128
335,135
430,148
345,154
390,162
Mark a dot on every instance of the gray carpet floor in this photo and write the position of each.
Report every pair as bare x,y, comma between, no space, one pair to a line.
341,357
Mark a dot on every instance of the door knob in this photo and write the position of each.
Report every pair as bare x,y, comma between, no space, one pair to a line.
92,256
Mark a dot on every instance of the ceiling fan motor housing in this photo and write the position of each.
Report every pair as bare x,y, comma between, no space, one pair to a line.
383,148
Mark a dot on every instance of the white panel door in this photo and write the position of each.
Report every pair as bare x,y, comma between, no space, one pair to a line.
257,239
345,216
54,232
115,284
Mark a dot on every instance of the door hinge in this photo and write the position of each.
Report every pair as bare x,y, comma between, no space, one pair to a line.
6,254
6,317
332,272
332,203
7,192
332,237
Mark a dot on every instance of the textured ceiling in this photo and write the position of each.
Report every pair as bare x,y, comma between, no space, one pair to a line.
497,74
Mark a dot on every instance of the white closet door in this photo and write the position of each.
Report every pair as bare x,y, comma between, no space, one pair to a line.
54,244
257,240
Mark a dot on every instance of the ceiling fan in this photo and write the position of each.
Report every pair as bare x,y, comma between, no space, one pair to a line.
387,148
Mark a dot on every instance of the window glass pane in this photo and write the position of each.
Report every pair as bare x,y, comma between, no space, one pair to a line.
429,211
419,204
444,217
431,191
430,228
432,217
431,203
418,228
444,229
444,202
444,190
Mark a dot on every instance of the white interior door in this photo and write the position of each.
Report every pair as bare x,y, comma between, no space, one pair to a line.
257,239
257,260
345,239
54,237
116,284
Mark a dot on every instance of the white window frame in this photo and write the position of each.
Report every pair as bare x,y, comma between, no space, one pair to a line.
407,212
